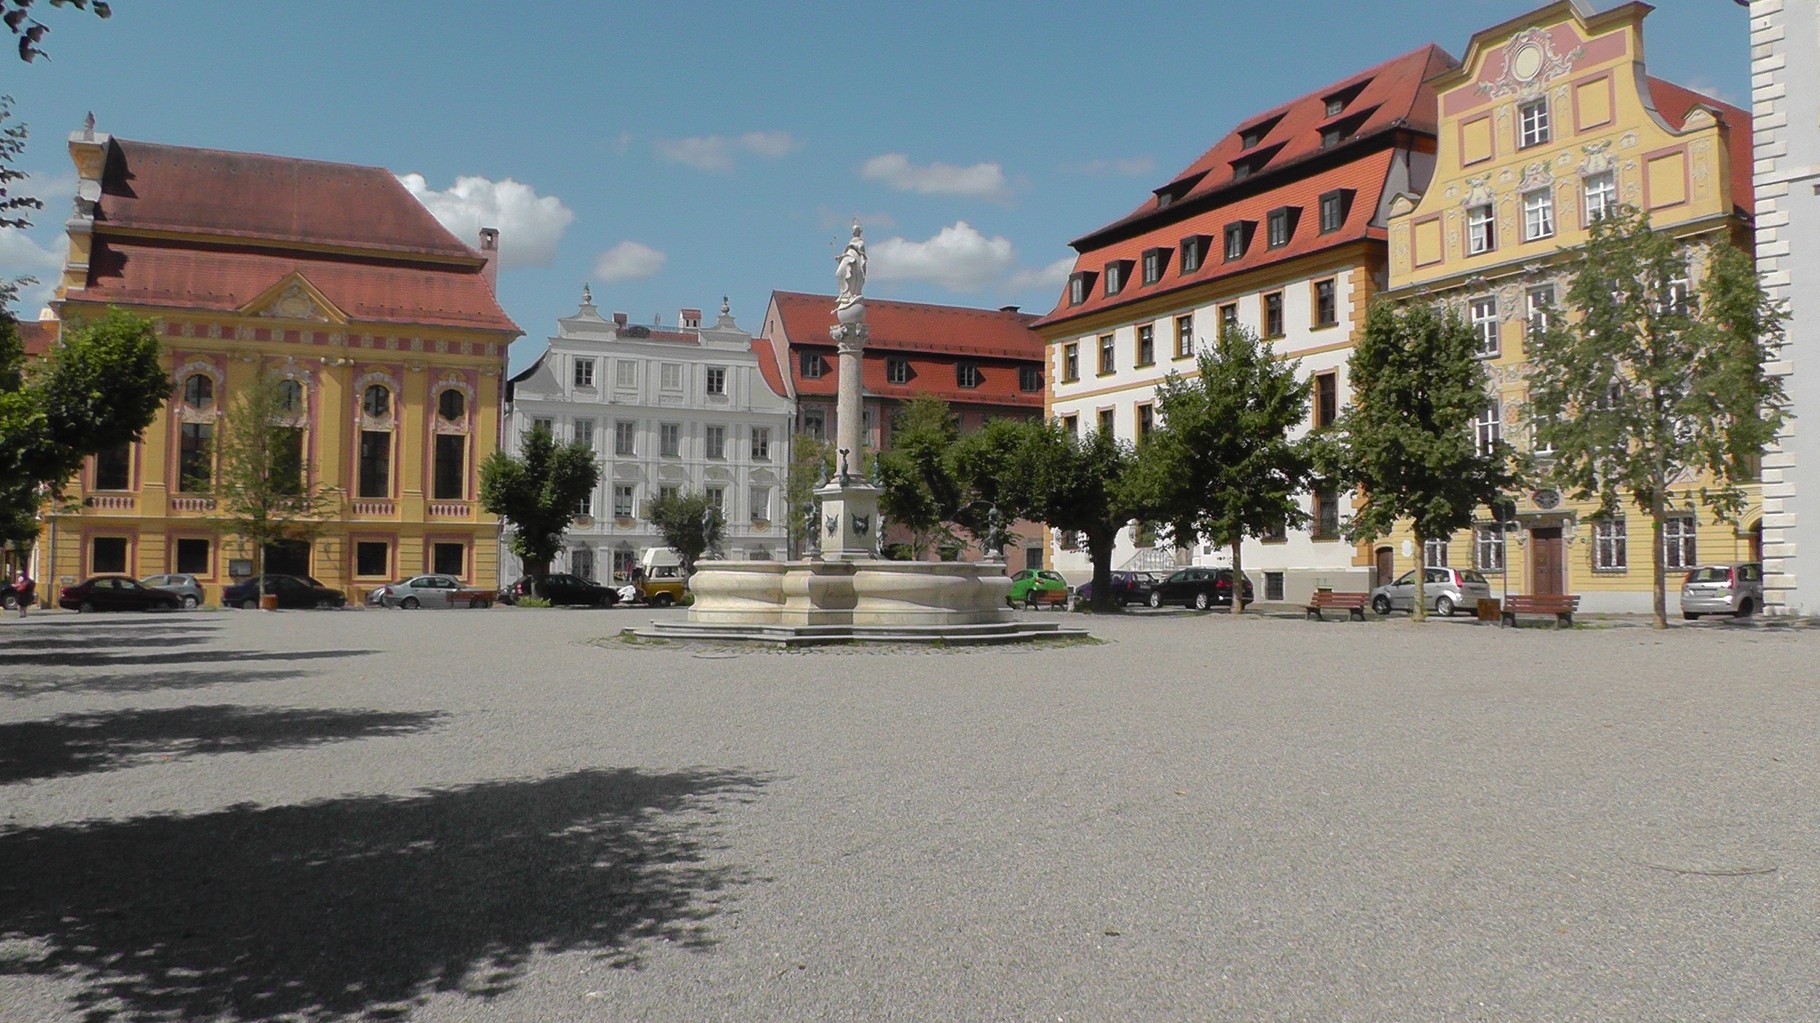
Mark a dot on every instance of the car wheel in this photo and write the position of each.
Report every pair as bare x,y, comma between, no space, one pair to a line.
409,604
1201,601
1691,616
190,602
1380,605
662,600
1444,607
86,607
1156,599
1745,609
249,604
9,602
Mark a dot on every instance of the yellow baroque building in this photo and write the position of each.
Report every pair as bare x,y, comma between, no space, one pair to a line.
1550,119
331,276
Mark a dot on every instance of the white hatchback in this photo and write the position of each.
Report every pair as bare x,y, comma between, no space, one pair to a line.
1722,590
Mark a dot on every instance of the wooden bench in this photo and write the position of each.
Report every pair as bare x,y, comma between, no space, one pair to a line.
1328,600
1561,605
1046,598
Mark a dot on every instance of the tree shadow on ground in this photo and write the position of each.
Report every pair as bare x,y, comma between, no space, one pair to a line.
24,686
102,640
83,743
364,907
105,658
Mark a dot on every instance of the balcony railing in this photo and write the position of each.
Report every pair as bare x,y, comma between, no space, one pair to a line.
375,509
112,502
451,510
192,504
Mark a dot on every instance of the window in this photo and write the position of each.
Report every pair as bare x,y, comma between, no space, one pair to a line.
372,559
1107,425
717,501
1237,237
194,456
1335,104
114,467
666,493
625,496
377,402
1108,355
287,461
1326,399
543,425
1154,260
1273,314
1071,361
581,562
1326,511
623,563
451,406
625,372
1071,425
1146,344
813,365
1538,214
1532,123
1280,226
1146,422
761,503
815,422
1276,532
1434,552
1479,234
1677,303
717,380
1194,252
449,559
107,554
1678,542
1115,277
1601,193
1489,428
451,467
1537,302
1333,135
584,372
1326,304
897,370
1608,545
199,391
761,443
290,396
584,433
669,440
1273,586
967,374
1229,316
1078,286
1184,336
193,556
1030,379
1485,325
716,442
1539,443
584,508
375,463
625,435
1488,549
669,376
1333,212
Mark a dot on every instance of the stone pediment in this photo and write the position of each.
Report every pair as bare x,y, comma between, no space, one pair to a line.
294,298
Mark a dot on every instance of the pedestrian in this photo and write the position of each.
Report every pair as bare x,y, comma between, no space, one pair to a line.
23,591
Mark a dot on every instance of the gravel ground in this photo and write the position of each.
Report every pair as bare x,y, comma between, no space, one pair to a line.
512,815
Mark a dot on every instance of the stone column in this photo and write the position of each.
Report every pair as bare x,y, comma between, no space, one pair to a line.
849,415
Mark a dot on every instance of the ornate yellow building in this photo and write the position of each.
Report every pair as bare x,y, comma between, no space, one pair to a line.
330,276
1549,120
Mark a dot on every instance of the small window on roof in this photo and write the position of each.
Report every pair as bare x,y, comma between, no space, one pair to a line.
1335,206
1250,137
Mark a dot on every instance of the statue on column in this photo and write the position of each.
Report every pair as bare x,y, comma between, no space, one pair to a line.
850,270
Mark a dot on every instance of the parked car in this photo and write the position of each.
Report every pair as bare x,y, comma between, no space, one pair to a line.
1127,588
291,591
116,593
187,589
564,589
432,591
1444,590
1199,588
660,585
1031,581
1722,590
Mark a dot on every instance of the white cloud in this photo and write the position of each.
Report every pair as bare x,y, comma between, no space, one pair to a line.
628,261
530,225
717,152
980,181
1707,87
958,258
20,256
1044,278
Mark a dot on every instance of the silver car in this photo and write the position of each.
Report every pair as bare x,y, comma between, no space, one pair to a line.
184,586
1445,590
1722,590
431,591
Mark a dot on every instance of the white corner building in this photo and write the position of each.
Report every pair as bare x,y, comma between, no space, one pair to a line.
685,408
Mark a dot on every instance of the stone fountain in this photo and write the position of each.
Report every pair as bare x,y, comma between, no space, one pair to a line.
843,591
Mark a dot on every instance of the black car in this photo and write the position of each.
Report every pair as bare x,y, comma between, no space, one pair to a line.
1199,588
560,588
116,593
291,591
1127,588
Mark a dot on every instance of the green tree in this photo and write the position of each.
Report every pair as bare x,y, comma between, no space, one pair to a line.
691,525
17,16
921,493
1407,441
1222,464
536,492
811,461
1649,385
1079,485
984,466
263,491
13,206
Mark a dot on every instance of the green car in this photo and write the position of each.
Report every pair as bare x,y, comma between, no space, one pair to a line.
1035,586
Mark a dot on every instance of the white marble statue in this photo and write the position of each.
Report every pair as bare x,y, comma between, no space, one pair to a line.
850,270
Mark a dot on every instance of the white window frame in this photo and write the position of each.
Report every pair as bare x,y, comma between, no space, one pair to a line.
1108,354
625,499
1488,429
1071,362
669,440
625,438
761,443
1481,231
1485,324
583,432
1153,265
1488,548
1533,123
1184,335
717,380
1537,301
625,372
1434,552
714,438
583,374
1538,214
760,496
1680,545
1599,192
1146,344
670,376
1609,554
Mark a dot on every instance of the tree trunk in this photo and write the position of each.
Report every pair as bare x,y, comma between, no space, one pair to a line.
540,577
1658,570
1100,546
1238,581
1418,611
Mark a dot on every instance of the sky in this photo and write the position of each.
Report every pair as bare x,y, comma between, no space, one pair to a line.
670,153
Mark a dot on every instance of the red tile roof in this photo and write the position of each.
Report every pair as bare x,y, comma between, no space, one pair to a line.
38,336
1674,102
915,326
767,366
181,276
277,198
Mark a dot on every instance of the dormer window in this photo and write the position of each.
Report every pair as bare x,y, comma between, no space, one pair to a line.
1154,262
1169,194
1080,285
1335,105
1335,102
1117,273
1335,206
1339,131
1250,138
1238,238
1246,166
1281,225
1194,252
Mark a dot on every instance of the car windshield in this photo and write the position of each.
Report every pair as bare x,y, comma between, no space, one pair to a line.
1710,575
1473,577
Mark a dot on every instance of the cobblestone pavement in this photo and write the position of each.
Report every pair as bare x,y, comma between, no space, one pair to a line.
508,815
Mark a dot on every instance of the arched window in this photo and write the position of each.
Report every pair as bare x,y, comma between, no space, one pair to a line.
377,402
198,391
290,396
450,405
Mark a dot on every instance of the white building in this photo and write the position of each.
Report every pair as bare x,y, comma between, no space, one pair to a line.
1785,95
685,409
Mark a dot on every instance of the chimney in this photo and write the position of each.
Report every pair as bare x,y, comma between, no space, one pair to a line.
489,248
619,320
691,318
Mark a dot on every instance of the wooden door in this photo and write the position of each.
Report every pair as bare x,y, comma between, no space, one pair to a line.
1546,561
1387,566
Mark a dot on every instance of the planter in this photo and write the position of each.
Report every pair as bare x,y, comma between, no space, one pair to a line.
268,602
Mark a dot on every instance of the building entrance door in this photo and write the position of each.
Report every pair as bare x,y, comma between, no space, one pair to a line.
1546,556
1387,566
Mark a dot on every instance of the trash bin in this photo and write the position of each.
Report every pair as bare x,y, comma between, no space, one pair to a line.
1489,609
268,602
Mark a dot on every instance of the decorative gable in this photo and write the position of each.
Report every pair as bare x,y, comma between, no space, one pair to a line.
294,298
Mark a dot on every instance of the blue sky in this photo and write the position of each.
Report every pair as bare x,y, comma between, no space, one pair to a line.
670,153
